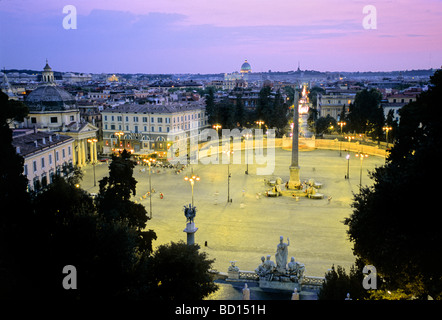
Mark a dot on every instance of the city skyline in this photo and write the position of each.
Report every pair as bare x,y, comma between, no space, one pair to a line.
217,36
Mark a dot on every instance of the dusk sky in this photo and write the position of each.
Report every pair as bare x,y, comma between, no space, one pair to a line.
216,36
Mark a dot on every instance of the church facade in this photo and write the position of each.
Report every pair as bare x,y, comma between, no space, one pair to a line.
53,109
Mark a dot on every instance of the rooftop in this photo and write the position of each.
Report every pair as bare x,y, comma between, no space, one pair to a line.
29,142
153,108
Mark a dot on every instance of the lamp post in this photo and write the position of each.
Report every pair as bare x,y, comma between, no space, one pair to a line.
348,166
361,156
192,180
119,134
247,136
228,176
149,162
259,123
387,129
341,124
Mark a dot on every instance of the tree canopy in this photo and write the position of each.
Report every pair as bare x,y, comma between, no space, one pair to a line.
394,223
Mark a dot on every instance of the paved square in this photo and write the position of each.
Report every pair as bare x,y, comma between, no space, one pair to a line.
248,228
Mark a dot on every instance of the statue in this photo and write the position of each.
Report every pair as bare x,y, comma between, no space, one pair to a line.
281,255
260,271
233,267
295,270
190,212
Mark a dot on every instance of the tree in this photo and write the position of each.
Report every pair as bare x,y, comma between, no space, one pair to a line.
324,124
393,225
240,115
338,283
366,114
180,272
211,111
114,202
263,108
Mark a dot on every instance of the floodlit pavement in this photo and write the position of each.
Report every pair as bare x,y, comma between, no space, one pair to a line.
249,227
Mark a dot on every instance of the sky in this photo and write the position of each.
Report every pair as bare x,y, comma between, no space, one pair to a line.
216,36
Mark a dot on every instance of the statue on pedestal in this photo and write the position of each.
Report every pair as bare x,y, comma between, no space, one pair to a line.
281,255
190,212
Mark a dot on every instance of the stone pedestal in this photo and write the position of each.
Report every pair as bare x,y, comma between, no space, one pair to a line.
190,230
294,181
280,285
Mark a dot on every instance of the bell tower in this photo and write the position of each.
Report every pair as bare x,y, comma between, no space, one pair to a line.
47,75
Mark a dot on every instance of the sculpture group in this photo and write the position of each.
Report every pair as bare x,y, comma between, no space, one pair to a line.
281,270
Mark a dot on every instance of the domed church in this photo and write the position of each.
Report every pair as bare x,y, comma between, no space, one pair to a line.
53,109
246,68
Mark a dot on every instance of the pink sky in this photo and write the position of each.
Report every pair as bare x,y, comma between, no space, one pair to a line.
216,36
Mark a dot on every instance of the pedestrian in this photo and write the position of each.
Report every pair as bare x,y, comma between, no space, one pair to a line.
161,195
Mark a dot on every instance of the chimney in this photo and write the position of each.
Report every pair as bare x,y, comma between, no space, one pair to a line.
50,138
36,143
44,140
17,149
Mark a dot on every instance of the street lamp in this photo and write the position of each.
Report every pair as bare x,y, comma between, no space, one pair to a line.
228,176
192,180
361,156
149,162
119,134
387,129
348,166
259,123
247,136
341,124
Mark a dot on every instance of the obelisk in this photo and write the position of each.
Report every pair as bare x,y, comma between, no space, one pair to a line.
294,181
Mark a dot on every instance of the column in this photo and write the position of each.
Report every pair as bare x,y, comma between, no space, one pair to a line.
294,181
74,156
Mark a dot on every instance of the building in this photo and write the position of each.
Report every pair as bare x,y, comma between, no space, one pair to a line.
245,67
396,102
45,154
145,128
332,102
53,109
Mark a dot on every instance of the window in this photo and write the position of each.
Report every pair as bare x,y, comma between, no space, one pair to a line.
56,156
50,159
112,127
63,153
72,118
54,119
25,169
34,165
112,118
135,119
160,129
42,162
144,119
127,119
127,128
136,129
160,120
152,129
152,119
105,118
33,120
119,118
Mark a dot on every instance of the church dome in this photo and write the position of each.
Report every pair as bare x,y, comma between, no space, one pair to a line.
50,98
246,68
